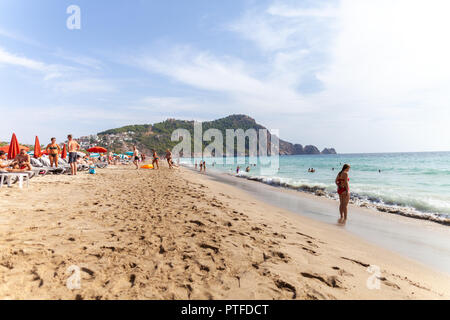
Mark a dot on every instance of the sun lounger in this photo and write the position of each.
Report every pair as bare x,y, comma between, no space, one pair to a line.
7,177
44,164
101,165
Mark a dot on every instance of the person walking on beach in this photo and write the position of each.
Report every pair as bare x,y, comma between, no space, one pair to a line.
136,157
73,147
53,150
155,160
169,158
204,166
343,191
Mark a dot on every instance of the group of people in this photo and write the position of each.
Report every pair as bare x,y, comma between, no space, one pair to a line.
20,163
137,157
311,170
202,166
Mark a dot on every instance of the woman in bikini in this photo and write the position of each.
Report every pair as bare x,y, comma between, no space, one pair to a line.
169,158
53,150
343,191
155,160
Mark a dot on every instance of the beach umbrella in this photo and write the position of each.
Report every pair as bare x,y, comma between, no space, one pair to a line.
64,152
97,150
129,153
14,147
37,148
6,148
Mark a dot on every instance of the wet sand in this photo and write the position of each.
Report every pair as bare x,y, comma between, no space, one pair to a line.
422,240
176,234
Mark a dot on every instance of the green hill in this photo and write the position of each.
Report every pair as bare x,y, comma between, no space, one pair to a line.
158,135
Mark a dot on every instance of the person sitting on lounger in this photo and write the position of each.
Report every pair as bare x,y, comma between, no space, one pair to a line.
22,161
4,165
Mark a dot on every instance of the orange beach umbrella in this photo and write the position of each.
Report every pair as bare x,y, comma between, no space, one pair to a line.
37,148
6,148
97,150
64,152
14,147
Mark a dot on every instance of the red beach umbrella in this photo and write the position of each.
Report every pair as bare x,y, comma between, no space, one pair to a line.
64,152
97,150
37,148
14,147
6,148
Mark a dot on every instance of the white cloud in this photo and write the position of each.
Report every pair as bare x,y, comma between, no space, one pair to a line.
17,37
227,76
376,68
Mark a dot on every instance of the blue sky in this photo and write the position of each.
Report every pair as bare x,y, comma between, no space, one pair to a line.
359,76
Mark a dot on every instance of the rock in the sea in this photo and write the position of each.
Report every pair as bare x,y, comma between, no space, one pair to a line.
298,149
311,150
320,193
329,151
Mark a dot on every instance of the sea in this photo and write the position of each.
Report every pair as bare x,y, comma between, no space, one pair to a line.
415,184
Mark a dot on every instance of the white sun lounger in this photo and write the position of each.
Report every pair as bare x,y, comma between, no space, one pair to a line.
7,177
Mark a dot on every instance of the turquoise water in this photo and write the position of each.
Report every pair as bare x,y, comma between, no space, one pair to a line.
416,183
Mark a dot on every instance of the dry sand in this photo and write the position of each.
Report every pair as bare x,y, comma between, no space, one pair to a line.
176,234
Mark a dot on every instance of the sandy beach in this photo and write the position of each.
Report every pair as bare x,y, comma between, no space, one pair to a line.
177,234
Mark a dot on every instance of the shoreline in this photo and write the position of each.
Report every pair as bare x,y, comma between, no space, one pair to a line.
355,198
361,201
176,234
424,241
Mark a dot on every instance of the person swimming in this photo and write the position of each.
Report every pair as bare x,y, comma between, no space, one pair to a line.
343,190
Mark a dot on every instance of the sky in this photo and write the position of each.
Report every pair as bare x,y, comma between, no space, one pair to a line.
359,76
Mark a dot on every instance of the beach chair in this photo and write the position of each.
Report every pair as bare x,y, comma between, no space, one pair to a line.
47,166
38,167
8,176
101,165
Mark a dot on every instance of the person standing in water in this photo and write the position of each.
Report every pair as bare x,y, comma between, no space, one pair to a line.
343,191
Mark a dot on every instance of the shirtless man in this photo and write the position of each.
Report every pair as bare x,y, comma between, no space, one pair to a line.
169,158
53,150
136,157
5,166
73,147
22,161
